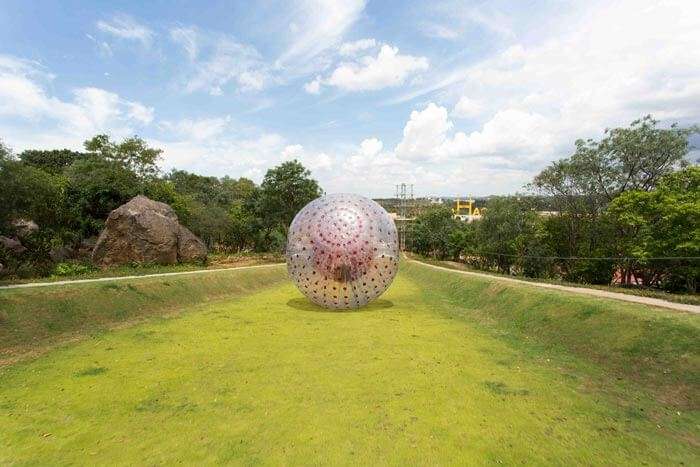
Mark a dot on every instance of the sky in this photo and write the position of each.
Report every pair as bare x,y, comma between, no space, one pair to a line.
455,97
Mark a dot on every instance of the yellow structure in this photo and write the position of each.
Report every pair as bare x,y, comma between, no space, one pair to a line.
468,204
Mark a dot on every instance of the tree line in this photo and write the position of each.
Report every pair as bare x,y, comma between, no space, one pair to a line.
67,195
626,207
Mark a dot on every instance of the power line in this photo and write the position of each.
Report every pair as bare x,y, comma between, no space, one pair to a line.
602,258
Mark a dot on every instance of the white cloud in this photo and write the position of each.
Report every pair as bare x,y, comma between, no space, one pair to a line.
140,112
451,20
314,161
125,27
387,69
314,86
510,133
424,133
609,66
440,31
228,63
371,147
352,48
235,154
196,129
103,48
292,151
467,108
187,38
318,26
24,100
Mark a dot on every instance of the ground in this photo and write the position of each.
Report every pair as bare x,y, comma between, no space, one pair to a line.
419,376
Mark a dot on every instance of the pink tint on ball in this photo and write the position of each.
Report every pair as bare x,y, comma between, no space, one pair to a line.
342,251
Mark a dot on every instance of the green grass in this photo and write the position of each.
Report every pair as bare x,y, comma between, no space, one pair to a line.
34,319
441,369
688,298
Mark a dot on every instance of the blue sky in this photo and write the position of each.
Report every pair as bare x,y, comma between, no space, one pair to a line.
456,97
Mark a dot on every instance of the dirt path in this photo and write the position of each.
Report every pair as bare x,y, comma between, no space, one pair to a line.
123,278
579,290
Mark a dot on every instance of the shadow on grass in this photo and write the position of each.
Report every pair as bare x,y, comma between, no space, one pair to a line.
306,305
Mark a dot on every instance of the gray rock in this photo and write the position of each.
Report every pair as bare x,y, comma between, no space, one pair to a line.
143,231
189,247
61,253
12,245
24,227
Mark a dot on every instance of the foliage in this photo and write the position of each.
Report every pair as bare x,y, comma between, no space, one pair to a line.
95,187
132,153
509,233
29,192
432,233
284,191
661,223
53,161
71,269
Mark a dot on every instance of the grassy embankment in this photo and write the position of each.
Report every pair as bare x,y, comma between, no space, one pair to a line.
441,369
691,299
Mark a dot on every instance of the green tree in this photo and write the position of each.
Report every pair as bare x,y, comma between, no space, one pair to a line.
664,222
30,193
95,187
5,152
510,235
133,153
240,229
284,191
581,186
52,161
432,231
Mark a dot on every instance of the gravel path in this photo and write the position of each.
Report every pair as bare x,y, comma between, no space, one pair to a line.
579,290
123,278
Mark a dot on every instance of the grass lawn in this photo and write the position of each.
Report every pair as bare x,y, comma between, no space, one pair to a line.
441,369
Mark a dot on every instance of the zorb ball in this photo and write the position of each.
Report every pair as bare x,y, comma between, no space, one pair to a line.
342,251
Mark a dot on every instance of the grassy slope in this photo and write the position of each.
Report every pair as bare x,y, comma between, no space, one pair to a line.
442,369
658,348
32,319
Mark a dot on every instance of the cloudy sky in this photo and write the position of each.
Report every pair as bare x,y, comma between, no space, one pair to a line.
456,97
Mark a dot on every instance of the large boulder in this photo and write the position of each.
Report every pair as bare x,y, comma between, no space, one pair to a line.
12,245
145,231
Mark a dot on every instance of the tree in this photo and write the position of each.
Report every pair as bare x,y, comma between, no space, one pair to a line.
284,191
95,187
30,193
133,153
510,234
240,230
659,224
5,152
581,186
53,161
431,232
